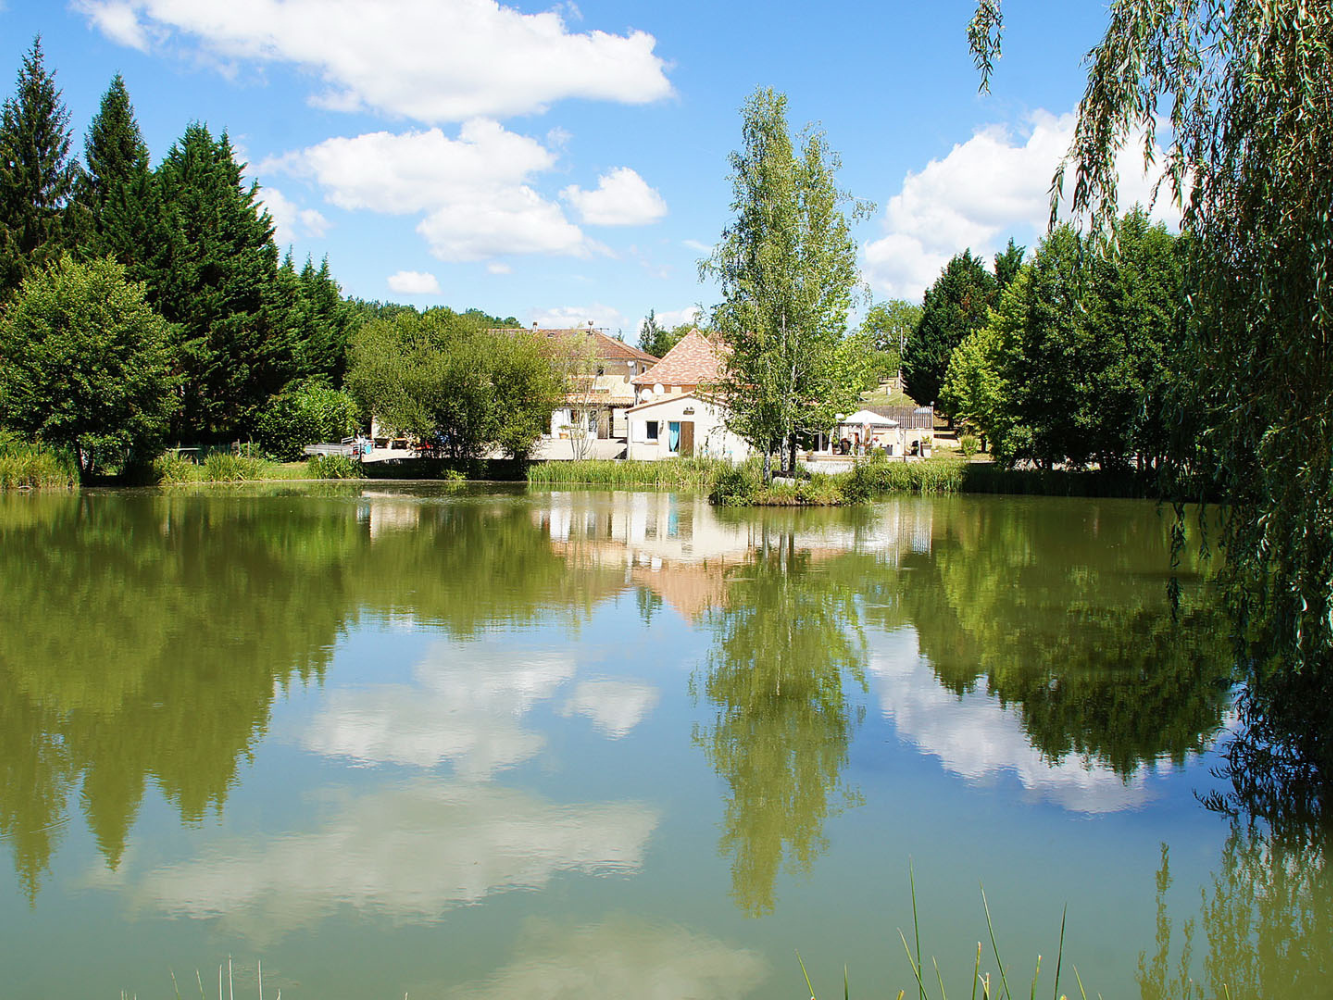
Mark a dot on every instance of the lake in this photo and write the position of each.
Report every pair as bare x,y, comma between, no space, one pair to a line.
497,742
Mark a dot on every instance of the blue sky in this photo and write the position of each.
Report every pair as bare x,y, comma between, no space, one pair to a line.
568,163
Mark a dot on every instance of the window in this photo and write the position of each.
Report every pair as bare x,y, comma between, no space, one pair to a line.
651,425
673,436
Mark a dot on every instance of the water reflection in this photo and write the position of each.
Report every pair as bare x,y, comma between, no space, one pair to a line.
783,641
621,957
1267,917
409,852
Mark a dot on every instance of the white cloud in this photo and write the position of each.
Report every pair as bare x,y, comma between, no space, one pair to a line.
117,20
992,186
290,221
623,956
473,191
696,246
414,283
622,198
497,267
428,60
410,853
567,317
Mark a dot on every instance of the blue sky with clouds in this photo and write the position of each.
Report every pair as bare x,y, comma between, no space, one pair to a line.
569,162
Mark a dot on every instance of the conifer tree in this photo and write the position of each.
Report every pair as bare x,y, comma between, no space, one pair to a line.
211,274
37,177
117,186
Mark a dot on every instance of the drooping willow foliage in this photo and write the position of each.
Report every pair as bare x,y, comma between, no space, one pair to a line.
1240,92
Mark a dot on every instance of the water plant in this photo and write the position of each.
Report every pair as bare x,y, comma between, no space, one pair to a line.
335,467
30,465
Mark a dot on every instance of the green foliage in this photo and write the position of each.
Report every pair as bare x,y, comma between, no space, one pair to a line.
172,468
656,339
954,306
213,274
442,376
85,364
335,467
787,270
38,218
1244,89
1079,352
307,411
887,325
967,444
29,465
736,486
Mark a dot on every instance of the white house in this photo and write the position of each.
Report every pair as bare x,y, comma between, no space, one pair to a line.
681,425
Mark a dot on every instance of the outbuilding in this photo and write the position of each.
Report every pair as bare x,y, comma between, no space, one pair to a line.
681,426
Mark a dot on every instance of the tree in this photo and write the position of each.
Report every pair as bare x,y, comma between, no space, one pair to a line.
1245,90
953,307
117,188
887,326
442,376
85,363
787,269
212,275
37,177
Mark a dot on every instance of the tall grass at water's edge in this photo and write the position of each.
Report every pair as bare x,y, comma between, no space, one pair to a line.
990,990
173,469
672,473
26,465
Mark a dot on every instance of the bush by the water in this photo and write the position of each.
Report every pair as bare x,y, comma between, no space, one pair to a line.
26,465
306,412
335,467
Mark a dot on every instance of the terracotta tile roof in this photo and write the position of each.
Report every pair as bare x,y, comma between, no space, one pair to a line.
693,361
608,348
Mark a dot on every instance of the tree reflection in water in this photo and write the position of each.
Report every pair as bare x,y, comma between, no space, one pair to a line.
1267,917
784,639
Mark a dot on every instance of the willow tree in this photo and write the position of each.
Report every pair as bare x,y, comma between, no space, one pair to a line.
1246,88
788,273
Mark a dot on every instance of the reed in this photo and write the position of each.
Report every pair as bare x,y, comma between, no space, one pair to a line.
989,990
672,473
334,467
26,465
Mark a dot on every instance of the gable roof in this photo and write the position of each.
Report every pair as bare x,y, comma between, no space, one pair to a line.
695,360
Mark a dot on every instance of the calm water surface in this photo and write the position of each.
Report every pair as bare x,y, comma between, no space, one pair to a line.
543,744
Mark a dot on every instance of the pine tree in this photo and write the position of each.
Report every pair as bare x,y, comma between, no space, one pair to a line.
211,275
117,187
955,306
37,177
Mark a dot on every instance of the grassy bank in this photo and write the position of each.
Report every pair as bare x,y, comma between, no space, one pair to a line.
743,486
173,469
25,465
616,474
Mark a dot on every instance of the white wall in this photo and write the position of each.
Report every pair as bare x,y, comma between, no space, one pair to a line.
711,437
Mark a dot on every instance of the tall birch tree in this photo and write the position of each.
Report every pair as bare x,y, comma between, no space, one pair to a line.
788,275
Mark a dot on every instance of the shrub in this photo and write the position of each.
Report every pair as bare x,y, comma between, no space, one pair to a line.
967,444
305,412
173,467
735,486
